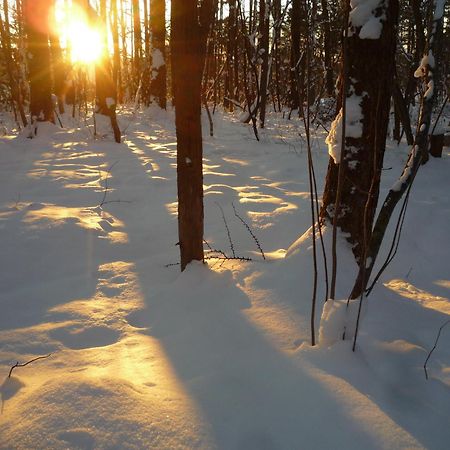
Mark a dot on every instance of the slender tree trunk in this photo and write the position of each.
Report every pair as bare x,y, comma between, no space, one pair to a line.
116,55
137,34
58,69
7,53
263,50
230,62
145,91
158,73
329,78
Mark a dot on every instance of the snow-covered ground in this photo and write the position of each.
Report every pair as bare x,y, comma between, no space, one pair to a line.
218,356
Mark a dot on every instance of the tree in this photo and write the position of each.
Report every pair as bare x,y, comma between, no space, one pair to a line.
158,84
427,73
190,26
38,60
354,171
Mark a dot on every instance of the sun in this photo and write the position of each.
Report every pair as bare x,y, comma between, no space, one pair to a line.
84,42
80,36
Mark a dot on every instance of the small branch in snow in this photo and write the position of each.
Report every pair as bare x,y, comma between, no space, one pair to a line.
228,258
17,364
105,191
246,225
213,250
228,230
434,347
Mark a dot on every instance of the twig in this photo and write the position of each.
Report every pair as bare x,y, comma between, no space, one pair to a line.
213,250
226,258
434,347
105,191
246,225
17,364
172,264
116,201
228,230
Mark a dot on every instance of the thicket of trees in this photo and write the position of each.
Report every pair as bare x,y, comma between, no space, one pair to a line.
358,63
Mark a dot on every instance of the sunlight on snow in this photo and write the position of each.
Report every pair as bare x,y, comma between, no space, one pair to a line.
443,283
102,357
42,215
405,289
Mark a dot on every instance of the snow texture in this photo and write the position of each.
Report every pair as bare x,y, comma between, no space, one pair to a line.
219,356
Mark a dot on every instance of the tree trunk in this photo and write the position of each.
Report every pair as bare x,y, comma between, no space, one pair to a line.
158,83
356,172
418,154
263,50
137,34
38,56
329,79
9,64
190,25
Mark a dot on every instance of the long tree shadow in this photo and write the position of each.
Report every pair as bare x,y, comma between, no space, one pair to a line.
251,395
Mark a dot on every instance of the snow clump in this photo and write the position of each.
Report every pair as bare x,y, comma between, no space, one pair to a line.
363,14
353,126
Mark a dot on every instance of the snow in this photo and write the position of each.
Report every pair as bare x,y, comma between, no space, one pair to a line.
439,10
110,102
353,126
422,70
157,62
364,16
218,356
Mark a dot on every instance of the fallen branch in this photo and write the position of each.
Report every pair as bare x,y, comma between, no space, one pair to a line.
17,364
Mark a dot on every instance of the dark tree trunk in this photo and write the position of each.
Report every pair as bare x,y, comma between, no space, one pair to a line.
370,75
298,61
38,59
263,50
58,70
105,89
329,78
418,154
190,25
231,52
9,64
116,55
158,84
145,90
137,34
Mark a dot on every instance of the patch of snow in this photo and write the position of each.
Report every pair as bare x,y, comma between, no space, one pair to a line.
353,126
363,15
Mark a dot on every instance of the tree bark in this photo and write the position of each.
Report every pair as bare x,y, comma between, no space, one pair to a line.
190,25
158,72
38,59
370,75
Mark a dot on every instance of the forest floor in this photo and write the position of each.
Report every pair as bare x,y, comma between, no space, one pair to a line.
218,356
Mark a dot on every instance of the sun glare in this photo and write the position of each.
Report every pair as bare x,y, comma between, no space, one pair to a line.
82,39
85,43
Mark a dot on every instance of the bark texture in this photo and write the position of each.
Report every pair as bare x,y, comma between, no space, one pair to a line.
368,81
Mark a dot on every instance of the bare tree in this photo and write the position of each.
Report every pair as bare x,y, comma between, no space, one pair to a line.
190,26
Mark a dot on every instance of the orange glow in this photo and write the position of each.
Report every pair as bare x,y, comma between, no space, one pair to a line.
82,38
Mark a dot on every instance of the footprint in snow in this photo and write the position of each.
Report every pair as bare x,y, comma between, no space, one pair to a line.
78,338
